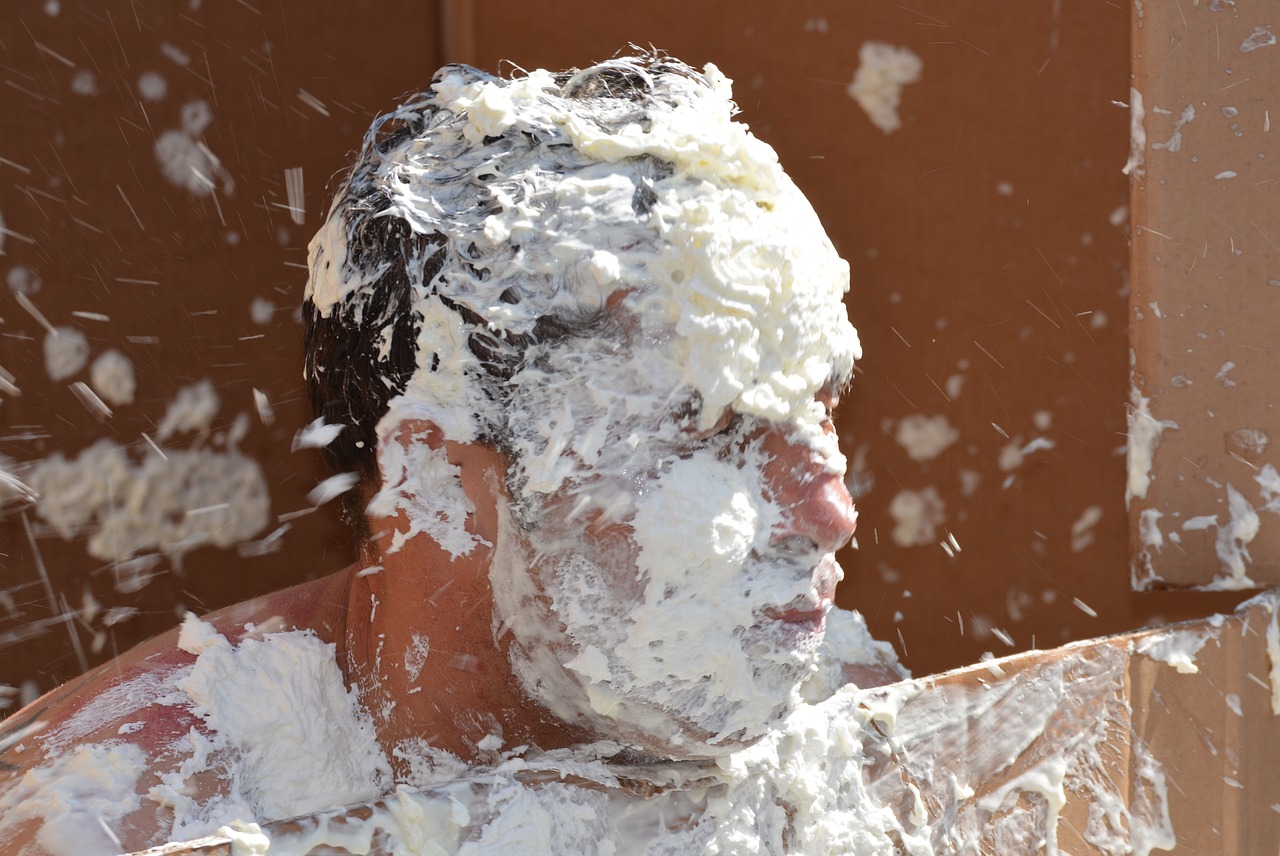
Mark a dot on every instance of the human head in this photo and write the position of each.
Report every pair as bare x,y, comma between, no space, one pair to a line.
538,264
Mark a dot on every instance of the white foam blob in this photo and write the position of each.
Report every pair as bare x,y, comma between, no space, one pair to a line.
66,350
152,86
111,376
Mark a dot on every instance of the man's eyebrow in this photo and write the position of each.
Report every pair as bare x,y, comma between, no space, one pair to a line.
839,381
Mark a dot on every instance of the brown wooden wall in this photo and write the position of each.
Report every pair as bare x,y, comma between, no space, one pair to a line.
987,238
288,85
1202,312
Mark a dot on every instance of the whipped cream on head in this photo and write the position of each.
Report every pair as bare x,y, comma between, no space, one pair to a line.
539,206
617,285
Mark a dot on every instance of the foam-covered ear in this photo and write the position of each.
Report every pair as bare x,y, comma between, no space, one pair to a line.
436,489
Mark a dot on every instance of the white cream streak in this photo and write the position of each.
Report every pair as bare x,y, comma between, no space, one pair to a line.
1178,648
1232,542
1235,531
1174,143
925,437
917,515
112,377
1273,656
1137,135
1144,437
187,499
66,350
192,409
1151,541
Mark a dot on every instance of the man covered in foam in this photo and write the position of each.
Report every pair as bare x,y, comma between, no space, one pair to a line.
584,338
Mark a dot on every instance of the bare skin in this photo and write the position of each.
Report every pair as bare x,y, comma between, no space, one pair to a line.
65,712
466,690
463,695
372,612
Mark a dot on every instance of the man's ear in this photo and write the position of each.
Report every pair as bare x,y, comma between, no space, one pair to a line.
410,430
435,489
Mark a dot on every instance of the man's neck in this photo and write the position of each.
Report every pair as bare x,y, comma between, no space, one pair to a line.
420,649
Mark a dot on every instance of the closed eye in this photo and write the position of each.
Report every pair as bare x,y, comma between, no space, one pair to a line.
688,415
726,424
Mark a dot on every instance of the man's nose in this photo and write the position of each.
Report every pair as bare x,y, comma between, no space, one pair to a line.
815,502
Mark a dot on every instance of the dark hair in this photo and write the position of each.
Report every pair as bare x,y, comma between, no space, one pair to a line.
361,353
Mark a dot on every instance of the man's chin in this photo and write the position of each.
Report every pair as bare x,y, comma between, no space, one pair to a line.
696,724
684,716
682,740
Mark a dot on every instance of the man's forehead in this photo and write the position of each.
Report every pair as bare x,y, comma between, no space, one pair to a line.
637,353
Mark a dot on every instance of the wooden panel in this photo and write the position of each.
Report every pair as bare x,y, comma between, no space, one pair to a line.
1206,291
168,275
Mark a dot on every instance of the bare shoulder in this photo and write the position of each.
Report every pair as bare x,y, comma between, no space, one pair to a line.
92,749
105,762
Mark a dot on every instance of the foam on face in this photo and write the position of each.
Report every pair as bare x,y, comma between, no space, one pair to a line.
712,302
656,621
668,624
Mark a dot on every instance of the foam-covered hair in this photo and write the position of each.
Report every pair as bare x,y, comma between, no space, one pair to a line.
411,220
488,216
